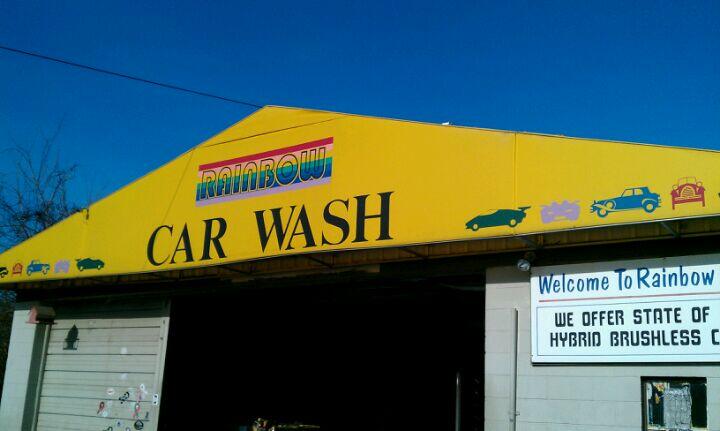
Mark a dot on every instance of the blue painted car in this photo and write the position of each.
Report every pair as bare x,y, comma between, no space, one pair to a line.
37,266
502,217
631,199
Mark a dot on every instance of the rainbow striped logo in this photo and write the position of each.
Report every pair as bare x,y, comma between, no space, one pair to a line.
275,171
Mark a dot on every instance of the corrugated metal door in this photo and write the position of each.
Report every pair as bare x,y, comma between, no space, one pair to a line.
103,370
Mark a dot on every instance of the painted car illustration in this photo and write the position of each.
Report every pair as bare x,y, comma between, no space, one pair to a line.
37,266
687,190
502,217
3,271
560,211
630,199
62,266
88,263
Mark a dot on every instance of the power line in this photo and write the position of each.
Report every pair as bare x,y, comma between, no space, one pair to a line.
125,76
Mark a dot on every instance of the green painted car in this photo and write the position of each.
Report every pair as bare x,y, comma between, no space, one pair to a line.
503,217
88,263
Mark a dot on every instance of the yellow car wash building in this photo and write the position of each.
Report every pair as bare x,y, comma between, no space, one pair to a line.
342,272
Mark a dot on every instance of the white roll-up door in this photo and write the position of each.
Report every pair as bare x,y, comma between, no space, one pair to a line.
103,370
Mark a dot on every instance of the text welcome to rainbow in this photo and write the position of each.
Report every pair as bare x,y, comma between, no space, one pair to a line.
265,173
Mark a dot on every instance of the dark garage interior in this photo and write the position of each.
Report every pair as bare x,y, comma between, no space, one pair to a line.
342,357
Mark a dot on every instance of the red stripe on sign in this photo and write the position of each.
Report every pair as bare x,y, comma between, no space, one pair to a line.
305,146
600,298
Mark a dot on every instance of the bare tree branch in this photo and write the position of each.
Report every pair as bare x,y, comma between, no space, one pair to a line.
38,197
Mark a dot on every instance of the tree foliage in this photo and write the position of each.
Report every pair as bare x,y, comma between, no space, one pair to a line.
35,197
32,198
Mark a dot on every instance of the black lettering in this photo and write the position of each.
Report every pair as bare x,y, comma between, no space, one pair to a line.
695,337
306,230
645,337
277,226
336,221
151,245
563,319
362,217
186,247
214,240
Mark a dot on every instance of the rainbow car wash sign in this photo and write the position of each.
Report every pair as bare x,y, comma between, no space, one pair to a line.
287,181
656,310
253,175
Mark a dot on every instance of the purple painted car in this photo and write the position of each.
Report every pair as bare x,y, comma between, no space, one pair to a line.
62,266
560,211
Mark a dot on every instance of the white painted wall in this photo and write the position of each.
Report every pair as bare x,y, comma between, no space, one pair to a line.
114,357
17,372
568,397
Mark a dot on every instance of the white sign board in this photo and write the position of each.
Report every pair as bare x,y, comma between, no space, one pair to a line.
655,310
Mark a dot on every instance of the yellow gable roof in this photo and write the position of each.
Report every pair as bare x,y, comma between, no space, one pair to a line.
286,181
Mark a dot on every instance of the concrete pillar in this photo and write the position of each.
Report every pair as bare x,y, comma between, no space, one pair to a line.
506,288
21,373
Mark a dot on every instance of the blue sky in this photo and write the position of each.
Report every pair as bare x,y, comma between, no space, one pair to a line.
644,71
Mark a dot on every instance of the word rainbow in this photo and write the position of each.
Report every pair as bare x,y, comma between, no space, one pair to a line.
274,171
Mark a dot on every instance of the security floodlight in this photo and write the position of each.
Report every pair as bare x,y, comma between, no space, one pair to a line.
525,264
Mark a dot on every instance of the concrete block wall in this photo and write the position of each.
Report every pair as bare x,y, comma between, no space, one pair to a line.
17,372
594,397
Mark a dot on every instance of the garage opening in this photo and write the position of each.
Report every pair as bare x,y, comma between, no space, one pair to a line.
341,358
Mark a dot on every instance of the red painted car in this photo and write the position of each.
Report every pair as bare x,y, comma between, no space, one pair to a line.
687,190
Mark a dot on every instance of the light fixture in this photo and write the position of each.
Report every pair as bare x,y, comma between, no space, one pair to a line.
525,263
41,314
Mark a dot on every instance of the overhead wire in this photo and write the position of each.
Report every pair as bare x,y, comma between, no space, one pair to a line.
126,76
